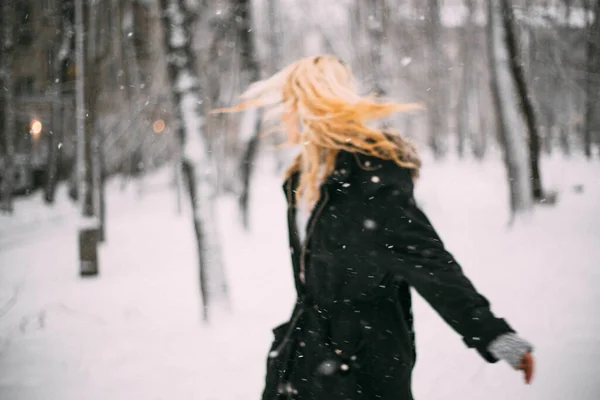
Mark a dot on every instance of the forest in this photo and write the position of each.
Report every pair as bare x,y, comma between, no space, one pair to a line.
101,97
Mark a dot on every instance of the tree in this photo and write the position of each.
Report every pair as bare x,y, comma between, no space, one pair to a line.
64,51
89,60
134,81
509,124
9,128
526,102
188,121
437,83
275,39
564,104
466,33
376,24
250,127
592,118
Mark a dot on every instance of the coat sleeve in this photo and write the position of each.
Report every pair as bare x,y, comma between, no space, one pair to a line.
413,250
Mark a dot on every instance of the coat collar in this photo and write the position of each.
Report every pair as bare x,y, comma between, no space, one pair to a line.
344,165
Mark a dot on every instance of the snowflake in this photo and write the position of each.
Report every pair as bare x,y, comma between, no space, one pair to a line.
370,224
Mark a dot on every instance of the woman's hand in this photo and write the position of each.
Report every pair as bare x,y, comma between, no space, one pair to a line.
527,366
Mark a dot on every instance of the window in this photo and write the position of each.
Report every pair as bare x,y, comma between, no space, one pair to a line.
24,25
24,86
49,6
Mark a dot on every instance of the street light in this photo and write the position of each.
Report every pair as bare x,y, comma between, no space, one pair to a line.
35,128
158,126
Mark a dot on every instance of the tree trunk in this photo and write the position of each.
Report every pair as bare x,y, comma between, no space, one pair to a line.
526,102
376,33
274,62
188,122
508,119
564,104
250,126
57,134
274,34
480,137
249,135
466,85
91,232
132,71
78,175
53,154
99,180
91,89
437,89
88,233
592,108
177,182
9,128
357,23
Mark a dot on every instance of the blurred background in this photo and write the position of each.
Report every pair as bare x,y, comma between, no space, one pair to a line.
143,240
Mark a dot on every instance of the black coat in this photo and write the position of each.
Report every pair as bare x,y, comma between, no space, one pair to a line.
351,332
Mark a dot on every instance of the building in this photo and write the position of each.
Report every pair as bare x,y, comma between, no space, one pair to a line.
36,97
44,92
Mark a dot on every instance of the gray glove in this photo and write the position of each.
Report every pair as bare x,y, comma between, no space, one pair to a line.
510,348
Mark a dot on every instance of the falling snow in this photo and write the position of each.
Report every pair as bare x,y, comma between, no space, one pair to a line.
370,224
144,305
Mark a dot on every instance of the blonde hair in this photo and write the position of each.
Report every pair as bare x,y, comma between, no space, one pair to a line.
320,93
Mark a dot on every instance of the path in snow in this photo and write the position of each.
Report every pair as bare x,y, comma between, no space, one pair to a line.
134,332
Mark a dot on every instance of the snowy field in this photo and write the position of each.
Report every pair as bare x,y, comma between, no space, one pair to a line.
135,333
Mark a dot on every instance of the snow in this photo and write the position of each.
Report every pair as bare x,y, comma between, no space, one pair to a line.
135,331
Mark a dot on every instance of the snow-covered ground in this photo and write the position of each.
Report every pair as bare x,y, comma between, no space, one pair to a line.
134,332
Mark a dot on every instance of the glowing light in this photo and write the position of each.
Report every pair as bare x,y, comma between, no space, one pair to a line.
158,126
36,127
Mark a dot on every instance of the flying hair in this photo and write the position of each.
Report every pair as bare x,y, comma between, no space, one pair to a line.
319,95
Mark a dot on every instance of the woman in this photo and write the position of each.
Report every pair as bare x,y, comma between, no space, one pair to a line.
358,242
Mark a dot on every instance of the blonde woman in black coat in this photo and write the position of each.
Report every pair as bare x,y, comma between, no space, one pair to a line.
358,242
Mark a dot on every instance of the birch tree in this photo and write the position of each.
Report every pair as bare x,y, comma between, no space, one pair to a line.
188,121
510,126
9,127
526,101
